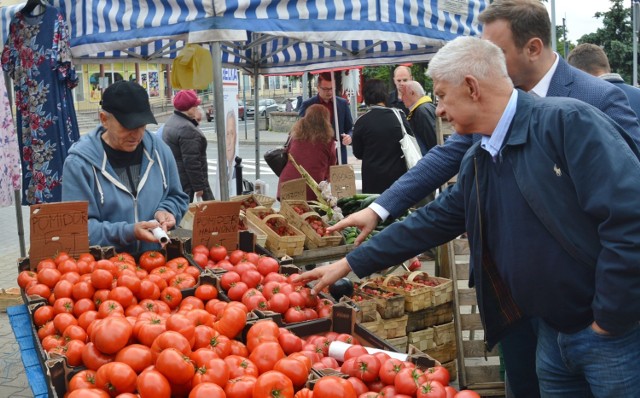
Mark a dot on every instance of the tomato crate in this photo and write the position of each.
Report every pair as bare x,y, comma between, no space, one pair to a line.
253,200
389,304
430,316
290,243
365,305
247,225
416,296
442,288
300,214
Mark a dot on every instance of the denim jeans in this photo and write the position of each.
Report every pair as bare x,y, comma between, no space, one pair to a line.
588,364
519,354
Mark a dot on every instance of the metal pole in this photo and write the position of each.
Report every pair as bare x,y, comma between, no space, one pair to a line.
256,124
564,33
553,25
244,104
634,23
218,97
305,83
335,118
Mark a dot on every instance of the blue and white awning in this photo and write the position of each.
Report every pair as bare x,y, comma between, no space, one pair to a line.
267,36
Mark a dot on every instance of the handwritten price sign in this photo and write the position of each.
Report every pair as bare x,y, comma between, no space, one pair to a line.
58,227
343,181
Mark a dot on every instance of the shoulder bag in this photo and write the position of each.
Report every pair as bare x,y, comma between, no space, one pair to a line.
277,158
408,143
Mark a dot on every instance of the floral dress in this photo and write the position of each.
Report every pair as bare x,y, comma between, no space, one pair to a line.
37,56
9,155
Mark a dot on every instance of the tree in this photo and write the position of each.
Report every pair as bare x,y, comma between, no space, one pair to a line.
385,73
616,38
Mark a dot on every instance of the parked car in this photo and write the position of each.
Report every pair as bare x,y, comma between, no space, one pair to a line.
282,107
266,105
240,110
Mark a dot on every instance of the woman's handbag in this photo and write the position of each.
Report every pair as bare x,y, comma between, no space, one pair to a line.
277,158
408,144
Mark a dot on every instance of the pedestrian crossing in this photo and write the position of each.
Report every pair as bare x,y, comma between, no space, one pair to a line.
249,166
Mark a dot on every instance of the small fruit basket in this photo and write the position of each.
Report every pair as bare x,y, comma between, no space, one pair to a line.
282,238
389,304
300,214
253,200
442,288
416,296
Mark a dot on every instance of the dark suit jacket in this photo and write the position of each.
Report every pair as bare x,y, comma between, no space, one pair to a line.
443,162
345,121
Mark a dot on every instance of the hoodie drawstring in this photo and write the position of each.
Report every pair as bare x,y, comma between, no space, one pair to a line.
164,178
95,174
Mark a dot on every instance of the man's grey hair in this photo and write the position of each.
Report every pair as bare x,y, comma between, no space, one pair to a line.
467,55
415,87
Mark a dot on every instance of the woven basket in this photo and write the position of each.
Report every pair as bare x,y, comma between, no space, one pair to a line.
442,292
260,200
389,307
301,221
278,245
416,296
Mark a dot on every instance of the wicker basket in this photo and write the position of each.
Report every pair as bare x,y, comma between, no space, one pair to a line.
261,236
443,334
260,200
442,292
280,246
301,221
400,343
416,296
367,307
430,316
391,306
375,326
422,339
395,327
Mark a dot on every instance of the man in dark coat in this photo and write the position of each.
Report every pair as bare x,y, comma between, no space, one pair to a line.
421,116
401,75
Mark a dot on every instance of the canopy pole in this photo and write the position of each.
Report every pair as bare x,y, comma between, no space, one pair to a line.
218,101
256,117
335,118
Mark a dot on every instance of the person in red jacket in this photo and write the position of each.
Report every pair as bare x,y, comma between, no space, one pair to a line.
312,146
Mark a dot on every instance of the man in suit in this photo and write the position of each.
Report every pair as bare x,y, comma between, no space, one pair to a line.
534,67
401,75
593,60
532,181
325,97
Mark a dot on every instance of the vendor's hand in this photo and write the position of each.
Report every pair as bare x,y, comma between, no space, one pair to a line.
142,230
366,220
325,274
598,329
166,219
346,139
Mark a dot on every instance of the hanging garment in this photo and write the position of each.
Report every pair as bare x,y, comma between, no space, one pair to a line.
9,152
37,56
192,68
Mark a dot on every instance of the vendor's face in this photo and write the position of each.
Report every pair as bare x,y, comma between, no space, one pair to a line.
455,105
325,90
117,136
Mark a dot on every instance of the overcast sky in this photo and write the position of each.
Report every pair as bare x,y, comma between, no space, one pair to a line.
579,15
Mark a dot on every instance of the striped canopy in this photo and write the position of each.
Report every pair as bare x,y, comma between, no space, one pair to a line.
266,36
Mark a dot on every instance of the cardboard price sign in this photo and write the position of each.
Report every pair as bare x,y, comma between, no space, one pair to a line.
58,227
294,190
216,223
343,181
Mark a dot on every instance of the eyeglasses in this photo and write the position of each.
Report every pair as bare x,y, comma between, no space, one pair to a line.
325,88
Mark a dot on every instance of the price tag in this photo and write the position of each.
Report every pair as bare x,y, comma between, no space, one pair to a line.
58,227
343,181
216,223
294,190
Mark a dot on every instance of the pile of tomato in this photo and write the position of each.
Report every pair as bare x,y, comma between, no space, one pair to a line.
318,225
248,203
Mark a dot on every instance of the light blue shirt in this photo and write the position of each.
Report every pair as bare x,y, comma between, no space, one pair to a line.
493,143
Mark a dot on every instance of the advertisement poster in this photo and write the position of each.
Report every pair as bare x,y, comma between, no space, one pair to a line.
154,85
230,95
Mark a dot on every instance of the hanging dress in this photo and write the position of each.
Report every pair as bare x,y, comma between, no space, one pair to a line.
37,56
9,152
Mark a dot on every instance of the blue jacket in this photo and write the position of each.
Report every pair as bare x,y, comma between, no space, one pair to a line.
579,173
633,93
345,121
113,210
442,162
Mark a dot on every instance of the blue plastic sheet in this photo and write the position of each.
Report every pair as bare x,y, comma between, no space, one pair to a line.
21,325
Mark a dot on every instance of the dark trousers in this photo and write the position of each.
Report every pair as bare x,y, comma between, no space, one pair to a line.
519,354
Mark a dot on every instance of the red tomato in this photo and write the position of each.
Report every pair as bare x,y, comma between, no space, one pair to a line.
431,389
175,366
82,379
200,249
240,387
355,351
206,292
333,387
237,290
239,366
137,356
26,277
389,369
265,355
207,390
451,392
235,256
43,315
290,343
218,253
228,279
293,369
151,260
111,334
294,314
439,374
116,378
467,394
213,371
170,339
408,380
153,384
88,393
172,296
94,359
231,322
273,384
358,385
267,265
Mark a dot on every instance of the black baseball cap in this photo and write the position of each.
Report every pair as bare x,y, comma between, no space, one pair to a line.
128,102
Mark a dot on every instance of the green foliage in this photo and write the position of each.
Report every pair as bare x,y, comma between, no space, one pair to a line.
616,38
385,73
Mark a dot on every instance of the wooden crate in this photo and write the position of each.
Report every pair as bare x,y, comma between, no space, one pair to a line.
478,369
388,307
443,334
431,316
260,200
395,327
417,298
9,297
422,339
261,236
276,244
400,343
452,367
301,221
443,352
368,311
376,326
441,293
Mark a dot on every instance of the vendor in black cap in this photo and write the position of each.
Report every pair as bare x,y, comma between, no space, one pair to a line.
127,174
